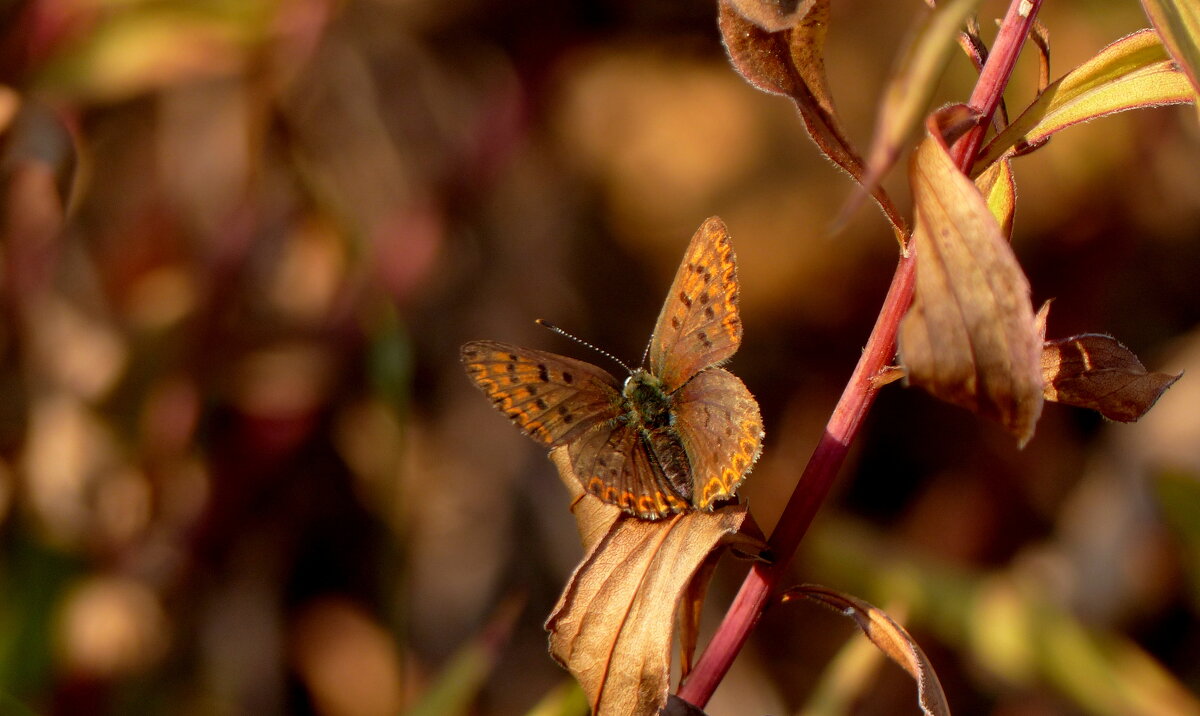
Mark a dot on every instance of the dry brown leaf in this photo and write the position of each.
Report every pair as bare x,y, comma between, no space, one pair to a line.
1040,319
969,337
1096,371
890,637
691,605
748,543
774,16
783,53
593,517
613,624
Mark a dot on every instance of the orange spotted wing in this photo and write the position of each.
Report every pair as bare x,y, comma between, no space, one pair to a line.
699,325
558,400
698,328
681,433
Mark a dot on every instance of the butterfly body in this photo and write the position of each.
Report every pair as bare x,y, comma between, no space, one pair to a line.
678,434
649,411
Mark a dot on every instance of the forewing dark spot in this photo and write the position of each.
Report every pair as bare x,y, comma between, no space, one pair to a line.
704,298
565,413
512,356
541,404
675,322
543,373
683,298
703,337
709,313
568,378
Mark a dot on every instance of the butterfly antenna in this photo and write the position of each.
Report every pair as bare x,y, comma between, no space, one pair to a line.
646,352
601,351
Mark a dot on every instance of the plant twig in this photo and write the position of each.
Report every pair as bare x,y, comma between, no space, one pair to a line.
856,399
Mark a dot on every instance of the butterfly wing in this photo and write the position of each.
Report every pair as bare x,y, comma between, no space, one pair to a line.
551,398
721,430
613,463
562,401
699,324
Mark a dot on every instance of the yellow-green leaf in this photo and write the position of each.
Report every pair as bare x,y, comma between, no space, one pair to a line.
969,337
999,189
1131,73
1178,25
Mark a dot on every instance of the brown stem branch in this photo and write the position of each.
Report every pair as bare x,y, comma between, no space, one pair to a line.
856,399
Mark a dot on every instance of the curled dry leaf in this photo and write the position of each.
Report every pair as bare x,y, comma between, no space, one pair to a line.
1131,73
1040,34
969,337
691,606
890,637
613,624
747,543
782,52
1095,371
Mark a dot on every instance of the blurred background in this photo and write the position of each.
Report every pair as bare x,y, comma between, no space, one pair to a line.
242,471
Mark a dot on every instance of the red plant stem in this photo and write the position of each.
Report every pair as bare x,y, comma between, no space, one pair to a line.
856,399
989,89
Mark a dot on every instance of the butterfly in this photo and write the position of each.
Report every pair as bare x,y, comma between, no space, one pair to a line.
679,433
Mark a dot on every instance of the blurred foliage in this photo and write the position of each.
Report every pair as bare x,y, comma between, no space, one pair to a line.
241,469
